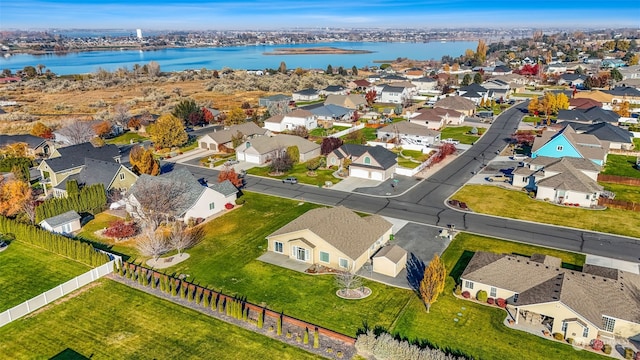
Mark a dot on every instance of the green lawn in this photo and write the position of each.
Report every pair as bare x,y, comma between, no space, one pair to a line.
531,119
321,132
624,192
525,95
636,143
621,165
28,271
300,171
367,133
102,221
461,133
517,205
407,163
109,320
480,332
126,138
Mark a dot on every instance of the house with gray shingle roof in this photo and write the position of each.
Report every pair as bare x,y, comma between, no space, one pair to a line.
409,133
198,200
277,98
583,305
568,143
337,238
113,175
65,223
367,162
618,138
223,139
264,148
306,95
36,146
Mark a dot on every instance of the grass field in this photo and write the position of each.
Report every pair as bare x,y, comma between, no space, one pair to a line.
108,320
300,171
321,132
624,192
636,143
461,133
126,138
621,165
479,332
517,205
100,222
28,271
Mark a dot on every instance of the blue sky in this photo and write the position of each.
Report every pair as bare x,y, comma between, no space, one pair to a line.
275,14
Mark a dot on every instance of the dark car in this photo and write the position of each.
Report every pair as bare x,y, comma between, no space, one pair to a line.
290,180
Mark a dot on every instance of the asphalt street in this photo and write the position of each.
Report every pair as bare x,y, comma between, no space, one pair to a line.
425,203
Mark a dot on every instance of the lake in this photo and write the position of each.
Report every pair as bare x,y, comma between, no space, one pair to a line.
243,57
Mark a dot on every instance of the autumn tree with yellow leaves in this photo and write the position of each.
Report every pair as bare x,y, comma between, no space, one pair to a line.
433,281
142,161
168,131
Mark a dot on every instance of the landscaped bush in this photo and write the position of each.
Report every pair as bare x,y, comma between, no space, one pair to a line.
501,302
628,353
228,206
607,349
570,340
240,201
466,294
120,229
458,290
597,345
491,301
558,336
481,296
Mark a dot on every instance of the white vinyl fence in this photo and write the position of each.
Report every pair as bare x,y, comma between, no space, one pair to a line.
56,293
347,131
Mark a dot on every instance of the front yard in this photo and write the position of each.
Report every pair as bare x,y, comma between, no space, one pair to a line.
127,138
301,172
461,133
621,165
518,205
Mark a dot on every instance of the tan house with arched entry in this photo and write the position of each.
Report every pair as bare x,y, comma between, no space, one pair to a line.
366,162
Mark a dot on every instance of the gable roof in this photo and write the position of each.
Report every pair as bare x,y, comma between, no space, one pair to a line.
578,163
592,114
75,155
595,95
473,88
424,79
603,131
342,100
247,129
61,219
267,144
96,172
225,188
584,103
382,156
569,178
330,110
334,88
392,89
394,253
32,141
276,97
341,228
309,91
588,294
456,103
624,91
299,113
588,146
362,83
407,128
434,114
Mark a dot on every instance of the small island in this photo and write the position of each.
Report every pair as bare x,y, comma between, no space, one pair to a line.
316,51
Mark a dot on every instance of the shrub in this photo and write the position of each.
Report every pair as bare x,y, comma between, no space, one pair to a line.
466,294
491,301
279,326
481,296
558,336
228,206
457,290
501,302
260,319
628,353
120,229
607,349
205,300
597,345
306,337
154,282
570,340
240,201
316,339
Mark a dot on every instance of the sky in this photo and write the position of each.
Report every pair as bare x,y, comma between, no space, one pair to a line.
287,14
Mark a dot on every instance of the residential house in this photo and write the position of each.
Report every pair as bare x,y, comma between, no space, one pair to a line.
578,304
351,101
36,146
360,85
366,162
199,201
113,175
67,161
327,114
273,99
391,78
591,115
223,139
583,103
568,143
558,68
436,118
497,88
408,133
290,121
333,90
413,73
560,180
618,138
475,93
457,103
630,72
264,148
65,223
621,94
573,80
306,95
597,95
337,238
612,63
501,70
424,84
392,94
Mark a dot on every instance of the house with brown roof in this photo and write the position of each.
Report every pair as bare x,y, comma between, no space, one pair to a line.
597,95
457,103
408,133
262,149
583,305
351,101
583,103
436,118
337,238
568,143
359,85
223,139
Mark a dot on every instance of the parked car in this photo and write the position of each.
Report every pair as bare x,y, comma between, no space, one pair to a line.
518,157
498,177
451,141
231,162
290,180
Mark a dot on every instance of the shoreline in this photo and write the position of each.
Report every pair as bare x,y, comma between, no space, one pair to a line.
325,50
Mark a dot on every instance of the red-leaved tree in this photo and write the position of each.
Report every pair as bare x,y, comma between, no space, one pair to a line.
120,229
228,173
329,144
370,96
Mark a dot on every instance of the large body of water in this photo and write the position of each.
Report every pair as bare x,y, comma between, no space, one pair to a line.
243,57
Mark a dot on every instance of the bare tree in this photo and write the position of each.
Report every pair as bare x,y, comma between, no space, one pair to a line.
182,238
152,244
153,68
348,281
157,200
120,115
78,132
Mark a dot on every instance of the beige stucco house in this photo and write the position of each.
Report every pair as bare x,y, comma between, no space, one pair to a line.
337,238
366,162
262,149
597,302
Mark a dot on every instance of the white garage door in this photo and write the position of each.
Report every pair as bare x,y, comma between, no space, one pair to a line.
360,173
240,156
375,175
254,159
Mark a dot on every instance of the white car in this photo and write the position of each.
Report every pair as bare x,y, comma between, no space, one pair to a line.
519,157
451,141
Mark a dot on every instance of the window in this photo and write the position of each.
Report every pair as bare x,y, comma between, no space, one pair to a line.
212,206
121,176
324,256
585,332
367,160
564,326
559,148
515,297
344,263
277,247
333,161
608,323
493,292
468,284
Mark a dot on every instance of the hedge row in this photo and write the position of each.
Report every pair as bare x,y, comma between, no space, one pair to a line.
55,243
90,199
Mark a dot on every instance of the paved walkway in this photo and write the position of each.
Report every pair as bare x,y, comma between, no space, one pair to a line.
613,263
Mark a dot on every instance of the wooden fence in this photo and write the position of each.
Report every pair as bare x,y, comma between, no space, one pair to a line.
619,204
624,180
254,310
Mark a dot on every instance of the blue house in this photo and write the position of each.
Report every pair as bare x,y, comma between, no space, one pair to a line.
568,143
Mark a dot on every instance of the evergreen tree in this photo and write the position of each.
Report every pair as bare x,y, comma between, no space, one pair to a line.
279,325
205,300
316,339
260,319
306,336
